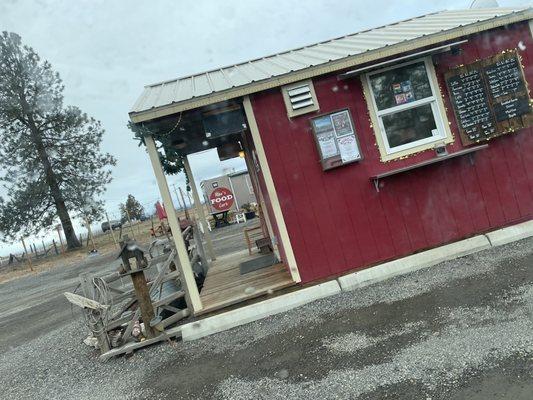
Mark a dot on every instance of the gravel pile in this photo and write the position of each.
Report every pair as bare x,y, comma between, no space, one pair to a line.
353,341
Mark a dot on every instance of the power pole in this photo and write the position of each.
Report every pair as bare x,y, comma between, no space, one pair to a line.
183,200
177,197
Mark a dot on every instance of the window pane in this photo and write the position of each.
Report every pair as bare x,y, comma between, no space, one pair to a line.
400,85
409,126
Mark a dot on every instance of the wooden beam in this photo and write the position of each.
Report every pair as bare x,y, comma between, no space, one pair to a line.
84,302
269,182
130,347
185,268
199,209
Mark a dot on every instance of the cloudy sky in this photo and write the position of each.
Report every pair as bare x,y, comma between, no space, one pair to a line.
106,51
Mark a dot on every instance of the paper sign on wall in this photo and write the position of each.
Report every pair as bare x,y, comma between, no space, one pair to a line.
348,148
335,138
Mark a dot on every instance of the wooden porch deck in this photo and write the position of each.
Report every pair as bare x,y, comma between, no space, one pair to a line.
225,286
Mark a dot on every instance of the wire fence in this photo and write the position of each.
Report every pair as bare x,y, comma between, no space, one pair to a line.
94,237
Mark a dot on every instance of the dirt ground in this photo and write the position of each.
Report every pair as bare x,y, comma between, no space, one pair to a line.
459,330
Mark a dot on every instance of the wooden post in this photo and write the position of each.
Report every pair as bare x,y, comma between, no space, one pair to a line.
197,235
192,295
145,303
129,222
90,233
44,247
87,289
177,197
184,205
111,230
27,255
55,246
271,189
199,209
58,227
264,219
189,197
142,293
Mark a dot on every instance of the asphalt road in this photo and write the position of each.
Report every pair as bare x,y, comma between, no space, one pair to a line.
459,330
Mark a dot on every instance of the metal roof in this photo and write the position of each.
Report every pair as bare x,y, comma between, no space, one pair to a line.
221,84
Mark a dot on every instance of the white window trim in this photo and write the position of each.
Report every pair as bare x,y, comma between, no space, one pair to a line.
437,106
294,113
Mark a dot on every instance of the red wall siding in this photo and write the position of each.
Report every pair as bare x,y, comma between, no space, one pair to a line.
337,221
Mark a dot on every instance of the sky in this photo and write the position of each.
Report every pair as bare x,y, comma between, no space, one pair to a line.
106,51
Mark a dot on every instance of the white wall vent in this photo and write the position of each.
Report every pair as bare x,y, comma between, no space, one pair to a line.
300,98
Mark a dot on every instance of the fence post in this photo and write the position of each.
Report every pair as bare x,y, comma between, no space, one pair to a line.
58,227
111,230
27,255
89,233
129,222
55,246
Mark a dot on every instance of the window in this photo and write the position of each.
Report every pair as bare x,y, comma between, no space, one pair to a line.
300,98
406,108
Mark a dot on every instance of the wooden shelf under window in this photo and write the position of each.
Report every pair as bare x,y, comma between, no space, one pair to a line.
470,151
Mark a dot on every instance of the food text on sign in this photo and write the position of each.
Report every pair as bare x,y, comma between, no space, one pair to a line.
222,199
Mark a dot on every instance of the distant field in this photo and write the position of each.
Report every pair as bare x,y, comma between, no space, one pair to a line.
103,242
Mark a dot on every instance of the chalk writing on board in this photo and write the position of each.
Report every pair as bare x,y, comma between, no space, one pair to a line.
504,77
490,97
471,104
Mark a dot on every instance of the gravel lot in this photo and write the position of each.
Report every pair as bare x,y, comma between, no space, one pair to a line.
462,329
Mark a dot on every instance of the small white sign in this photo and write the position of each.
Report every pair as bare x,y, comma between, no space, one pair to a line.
348,148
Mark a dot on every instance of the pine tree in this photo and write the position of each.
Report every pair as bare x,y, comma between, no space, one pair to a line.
49,153
134,208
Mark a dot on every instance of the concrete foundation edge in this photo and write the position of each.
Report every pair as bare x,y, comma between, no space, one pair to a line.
254,312
511,233
413,262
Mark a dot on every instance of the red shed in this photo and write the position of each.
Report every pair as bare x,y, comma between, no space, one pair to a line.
374,145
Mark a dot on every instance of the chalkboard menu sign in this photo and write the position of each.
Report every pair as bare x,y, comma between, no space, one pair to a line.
335,139
490,97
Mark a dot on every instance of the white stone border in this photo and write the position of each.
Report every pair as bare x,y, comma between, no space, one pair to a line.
413,262
511,233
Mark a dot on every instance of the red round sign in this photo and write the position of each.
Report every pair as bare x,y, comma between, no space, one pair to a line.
221,199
